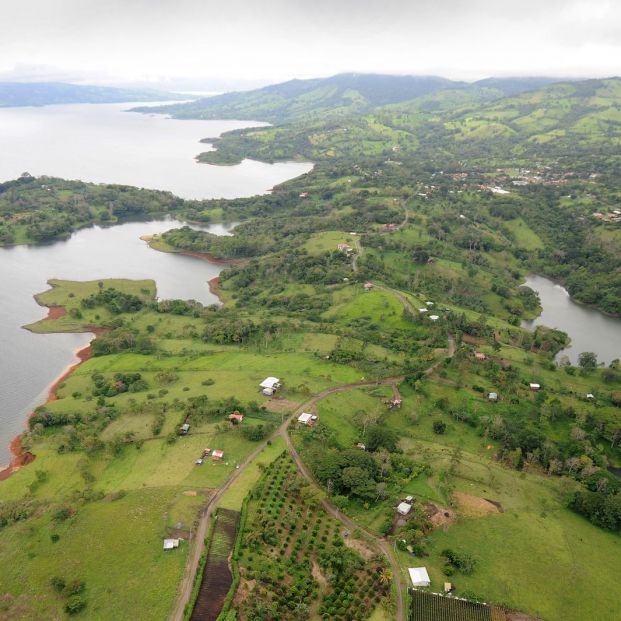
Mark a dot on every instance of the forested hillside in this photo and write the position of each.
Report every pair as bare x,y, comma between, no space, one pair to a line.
341,95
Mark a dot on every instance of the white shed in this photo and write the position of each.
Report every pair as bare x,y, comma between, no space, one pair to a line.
171,544
419,576
305,418
404,508
270,382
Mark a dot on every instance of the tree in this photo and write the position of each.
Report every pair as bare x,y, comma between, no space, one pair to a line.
357,480
587,360
385,576
381,437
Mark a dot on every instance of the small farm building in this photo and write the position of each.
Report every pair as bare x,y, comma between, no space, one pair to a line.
404,508
236,417
419,576
535,387
479,355
492,396
217,455
368,286
184,429
307,419
171,544
269,386
434,317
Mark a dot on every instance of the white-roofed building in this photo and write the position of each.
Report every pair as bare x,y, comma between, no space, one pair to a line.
306,419
269,386
171,544
404,508
419,576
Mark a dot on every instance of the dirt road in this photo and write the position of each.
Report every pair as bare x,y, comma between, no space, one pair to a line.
185,589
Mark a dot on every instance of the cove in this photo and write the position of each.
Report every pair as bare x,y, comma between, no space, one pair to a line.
588,328
29,363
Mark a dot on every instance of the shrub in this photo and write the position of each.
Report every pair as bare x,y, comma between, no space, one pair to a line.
75,604
58,583
439,427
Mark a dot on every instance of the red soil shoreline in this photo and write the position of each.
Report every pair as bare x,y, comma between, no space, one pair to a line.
207,257
20,458
214,287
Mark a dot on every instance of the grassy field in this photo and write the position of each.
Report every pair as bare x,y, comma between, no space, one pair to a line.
114,546
327,241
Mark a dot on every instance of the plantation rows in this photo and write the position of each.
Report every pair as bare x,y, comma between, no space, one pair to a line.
294,560
431,607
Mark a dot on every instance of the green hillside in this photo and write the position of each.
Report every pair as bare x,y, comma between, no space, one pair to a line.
557,118
342,95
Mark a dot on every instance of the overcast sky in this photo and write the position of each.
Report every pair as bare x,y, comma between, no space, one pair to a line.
272,40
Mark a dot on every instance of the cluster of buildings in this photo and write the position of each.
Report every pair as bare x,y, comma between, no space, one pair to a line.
216,455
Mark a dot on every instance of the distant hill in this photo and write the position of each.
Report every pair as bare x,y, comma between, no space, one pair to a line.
47,93
340,95
560,117
343,94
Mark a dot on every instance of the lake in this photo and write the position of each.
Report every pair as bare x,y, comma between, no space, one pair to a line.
588,328
103,143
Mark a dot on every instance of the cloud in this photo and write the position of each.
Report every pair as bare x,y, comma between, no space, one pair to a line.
278,39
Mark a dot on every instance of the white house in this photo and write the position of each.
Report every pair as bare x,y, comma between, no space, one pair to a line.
307,419
269,386
419,576
404,508
170,544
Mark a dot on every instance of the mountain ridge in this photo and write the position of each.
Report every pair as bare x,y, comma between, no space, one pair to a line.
339,95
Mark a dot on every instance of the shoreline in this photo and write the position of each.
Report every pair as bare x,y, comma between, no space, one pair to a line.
151,240
214,288
20,458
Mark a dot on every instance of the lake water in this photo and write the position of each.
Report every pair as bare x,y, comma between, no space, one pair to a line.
589,329
103,143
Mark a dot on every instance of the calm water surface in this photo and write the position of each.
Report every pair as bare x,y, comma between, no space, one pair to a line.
588,329
103,143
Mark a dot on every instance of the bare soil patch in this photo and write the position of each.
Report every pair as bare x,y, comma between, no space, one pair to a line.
365,551
439,516
474,506
281,405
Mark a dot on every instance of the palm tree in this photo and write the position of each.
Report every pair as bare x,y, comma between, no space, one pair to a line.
385,575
